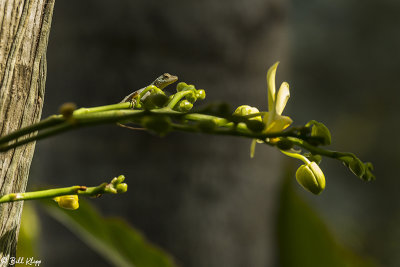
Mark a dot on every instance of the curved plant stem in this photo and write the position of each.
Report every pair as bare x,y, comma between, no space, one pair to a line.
296,156
320,151
104,188
124,105
178,96
48,122
53,131
122,112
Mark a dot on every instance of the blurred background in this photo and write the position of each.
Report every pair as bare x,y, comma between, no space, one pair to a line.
202,198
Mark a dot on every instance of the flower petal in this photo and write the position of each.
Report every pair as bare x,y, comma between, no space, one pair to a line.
265,117
271,85
282,98
278,124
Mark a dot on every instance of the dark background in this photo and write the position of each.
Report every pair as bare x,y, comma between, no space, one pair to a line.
201,197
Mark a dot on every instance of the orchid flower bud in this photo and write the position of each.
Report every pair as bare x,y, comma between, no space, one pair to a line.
357,167
368,176
201,94
320,131
69,202
185,106
180,86
247,110
191,97
122,188
67,109
311,177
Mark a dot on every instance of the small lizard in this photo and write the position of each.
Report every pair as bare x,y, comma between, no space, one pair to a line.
161,82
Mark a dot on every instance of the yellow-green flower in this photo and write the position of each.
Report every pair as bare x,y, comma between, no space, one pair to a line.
69,202
308,175
311,177
273,119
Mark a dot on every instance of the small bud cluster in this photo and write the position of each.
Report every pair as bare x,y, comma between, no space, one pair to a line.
116,185
71,202
154,98
359,168
189,94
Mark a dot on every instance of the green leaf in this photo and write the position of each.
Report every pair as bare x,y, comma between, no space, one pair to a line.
112,238
29,232
305,240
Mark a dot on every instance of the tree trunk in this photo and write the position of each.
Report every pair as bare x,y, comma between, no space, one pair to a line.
24,32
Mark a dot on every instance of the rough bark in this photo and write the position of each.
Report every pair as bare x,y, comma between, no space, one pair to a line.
24,32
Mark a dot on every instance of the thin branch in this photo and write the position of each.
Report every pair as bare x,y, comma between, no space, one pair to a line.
48,122
114,187
121,112
320,151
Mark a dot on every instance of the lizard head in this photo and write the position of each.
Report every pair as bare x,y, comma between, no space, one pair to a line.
165,80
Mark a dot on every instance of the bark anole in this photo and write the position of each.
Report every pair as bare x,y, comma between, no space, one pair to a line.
161,82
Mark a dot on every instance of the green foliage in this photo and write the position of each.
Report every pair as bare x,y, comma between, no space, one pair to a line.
304,240
112,238
29,232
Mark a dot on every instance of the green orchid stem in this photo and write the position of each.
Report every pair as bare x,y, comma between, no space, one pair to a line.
318,150
203,117
86,117
58,119
48,122
149,88
178,96
296,155
41,135
229,129
104,188
79,119
122,112
124,105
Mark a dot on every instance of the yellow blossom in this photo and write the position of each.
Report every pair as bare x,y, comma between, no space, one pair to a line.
274,121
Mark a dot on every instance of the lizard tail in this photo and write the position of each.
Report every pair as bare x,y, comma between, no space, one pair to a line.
129,127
